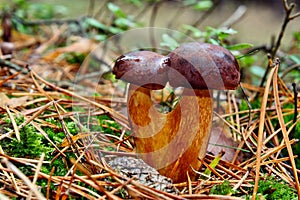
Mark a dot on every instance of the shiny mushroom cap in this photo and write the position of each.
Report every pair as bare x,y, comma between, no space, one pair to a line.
143,68
203,66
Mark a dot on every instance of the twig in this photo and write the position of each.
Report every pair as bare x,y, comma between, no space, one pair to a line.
248,104
292,134
254,50
288,11
6,26
236,109
288,70
206,14
143,11
91,7
13,66
57,32
203,17
236,16
101,10
48,22
177,15
9,78
152,22
78,22
232,116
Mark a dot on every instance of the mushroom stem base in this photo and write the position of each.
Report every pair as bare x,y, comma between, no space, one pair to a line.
174,142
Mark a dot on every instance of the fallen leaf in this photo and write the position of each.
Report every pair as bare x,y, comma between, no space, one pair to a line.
74,138
3,100
11,102
220,140
81,45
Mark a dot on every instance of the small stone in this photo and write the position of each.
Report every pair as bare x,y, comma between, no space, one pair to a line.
143,173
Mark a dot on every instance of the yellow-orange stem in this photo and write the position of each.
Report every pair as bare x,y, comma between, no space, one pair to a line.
172,142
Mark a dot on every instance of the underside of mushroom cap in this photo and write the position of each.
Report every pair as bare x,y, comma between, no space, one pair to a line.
143,68
203,66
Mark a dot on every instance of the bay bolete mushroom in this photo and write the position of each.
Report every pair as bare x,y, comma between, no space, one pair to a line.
143,68
173,142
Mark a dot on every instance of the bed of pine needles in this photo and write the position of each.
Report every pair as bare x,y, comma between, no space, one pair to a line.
37,90
35,98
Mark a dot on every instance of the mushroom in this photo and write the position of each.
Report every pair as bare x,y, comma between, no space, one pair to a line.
143,68
174,142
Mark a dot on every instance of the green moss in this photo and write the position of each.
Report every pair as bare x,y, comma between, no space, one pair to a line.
33,144
273,189
74,57
255,104
72,127
222,189
108,125
30,145
268,189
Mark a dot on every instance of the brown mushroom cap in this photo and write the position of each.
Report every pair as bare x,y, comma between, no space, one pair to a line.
203,66
143,68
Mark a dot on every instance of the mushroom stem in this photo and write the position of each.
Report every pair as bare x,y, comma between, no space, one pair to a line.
174,142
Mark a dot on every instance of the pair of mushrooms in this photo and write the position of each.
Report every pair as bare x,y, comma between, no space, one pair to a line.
174,142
